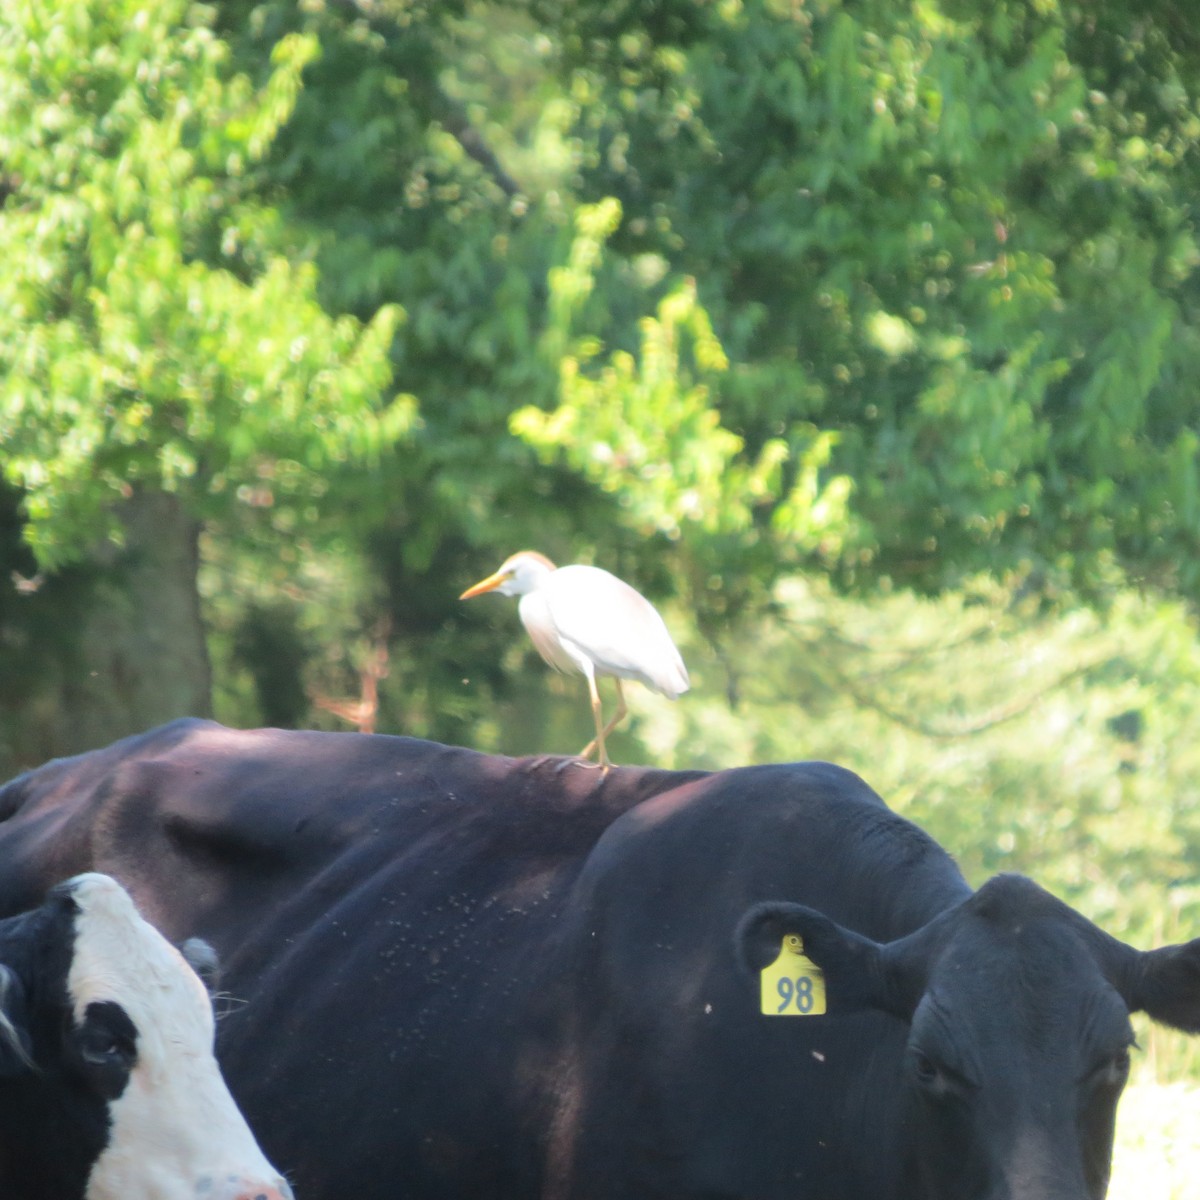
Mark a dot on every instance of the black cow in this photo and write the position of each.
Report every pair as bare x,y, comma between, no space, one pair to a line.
108,1085
474,977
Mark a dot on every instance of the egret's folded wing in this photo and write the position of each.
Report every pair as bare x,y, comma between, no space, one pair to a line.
596,614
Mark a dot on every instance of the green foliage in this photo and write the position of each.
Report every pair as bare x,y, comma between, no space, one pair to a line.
958,235
646,430
642,429
147,337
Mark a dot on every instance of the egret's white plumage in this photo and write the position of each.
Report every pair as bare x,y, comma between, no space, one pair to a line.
585,620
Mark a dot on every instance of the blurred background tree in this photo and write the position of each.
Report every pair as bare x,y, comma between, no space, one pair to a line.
860,336
162,360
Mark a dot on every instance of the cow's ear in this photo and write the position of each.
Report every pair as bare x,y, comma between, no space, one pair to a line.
1165,984
850,963
16,1051
859,973
202,958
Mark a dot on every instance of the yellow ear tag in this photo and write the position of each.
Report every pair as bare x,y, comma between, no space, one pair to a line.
792,986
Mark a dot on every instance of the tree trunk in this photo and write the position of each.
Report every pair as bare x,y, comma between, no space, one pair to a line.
132,654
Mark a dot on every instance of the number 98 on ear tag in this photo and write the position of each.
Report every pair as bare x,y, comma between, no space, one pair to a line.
793,985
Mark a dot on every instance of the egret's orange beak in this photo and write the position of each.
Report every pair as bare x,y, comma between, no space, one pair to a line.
484,585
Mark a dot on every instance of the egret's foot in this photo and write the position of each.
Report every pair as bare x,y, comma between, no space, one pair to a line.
583,762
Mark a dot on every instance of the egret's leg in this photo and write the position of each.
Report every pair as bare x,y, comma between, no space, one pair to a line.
620,715
598,717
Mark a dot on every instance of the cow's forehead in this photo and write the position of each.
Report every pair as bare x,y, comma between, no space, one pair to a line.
1023,963
1042,965
118,956
1022,934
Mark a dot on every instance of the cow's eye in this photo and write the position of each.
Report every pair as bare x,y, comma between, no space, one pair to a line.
1114,1070
936,1079
925,1069
102,1048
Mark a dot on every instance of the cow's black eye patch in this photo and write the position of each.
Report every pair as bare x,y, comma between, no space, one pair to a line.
106,1047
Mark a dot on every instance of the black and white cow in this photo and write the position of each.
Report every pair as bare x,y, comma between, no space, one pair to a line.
477,978
108,1085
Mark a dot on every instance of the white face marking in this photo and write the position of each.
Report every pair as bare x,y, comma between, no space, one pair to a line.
176,1133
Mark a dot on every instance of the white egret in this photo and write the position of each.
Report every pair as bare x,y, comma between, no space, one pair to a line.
586,620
